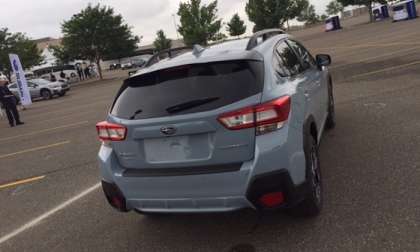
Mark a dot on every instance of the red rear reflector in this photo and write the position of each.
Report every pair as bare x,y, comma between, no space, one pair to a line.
265,117
111,131
273,199
117,202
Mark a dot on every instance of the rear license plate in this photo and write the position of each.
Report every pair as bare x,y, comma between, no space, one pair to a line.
177,148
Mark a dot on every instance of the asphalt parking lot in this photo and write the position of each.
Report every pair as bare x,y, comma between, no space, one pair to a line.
51,200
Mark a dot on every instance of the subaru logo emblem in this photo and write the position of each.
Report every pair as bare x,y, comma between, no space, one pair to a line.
15,65
169,131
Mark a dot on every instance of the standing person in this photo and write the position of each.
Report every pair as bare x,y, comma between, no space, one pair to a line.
9,102
80,72
52,77
62,75
87,74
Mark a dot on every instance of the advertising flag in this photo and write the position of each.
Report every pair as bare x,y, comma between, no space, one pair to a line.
25,96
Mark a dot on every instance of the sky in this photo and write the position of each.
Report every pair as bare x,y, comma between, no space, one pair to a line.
43,18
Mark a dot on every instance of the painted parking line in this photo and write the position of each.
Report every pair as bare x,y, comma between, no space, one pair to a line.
33,149
47,214
21,182
386,69
59,118
376,57
368,45
43,131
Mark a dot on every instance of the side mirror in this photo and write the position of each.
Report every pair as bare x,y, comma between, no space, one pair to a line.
323,60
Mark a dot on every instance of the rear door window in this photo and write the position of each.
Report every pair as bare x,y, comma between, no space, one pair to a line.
188,89
307,59
279,67
290,61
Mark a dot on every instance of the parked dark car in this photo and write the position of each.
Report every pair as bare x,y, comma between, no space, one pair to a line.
114,66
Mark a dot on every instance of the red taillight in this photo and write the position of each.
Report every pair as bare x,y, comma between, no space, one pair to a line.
111,131
272,199
265,117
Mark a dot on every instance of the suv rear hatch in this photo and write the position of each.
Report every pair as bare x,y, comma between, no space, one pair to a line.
172,114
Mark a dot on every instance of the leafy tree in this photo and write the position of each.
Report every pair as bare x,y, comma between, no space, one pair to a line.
367,3
273,13
236,26
334,7
96,33
309,15
19,44
161,42
199,23
219,36
323,17
62,55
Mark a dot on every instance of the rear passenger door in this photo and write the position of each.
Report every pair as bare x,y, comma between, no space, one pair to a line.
316,89
33,90
291,67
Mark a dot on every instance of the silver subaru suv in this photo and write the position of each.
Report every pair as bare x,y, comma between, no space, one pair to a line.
231,126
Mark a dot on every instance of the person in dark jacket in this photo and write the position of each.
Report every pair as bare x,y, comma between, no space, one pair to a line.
80,73
87,73
62,75
9,102
52,77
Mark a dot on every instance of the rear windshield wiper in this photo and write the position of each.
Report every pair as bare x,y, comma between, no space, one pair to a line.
135,114
190,104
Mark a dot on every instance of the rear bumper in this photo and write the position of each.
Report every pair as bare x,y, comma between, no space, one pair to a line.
264,183
60,90
277,166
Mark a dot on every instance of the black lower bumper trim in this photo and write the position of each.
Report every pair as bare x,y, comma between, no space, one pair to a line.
114,196
199,170
274,182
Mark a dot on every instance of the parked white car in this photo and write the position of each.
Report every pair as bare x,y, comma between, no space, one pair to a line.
40,88
69,70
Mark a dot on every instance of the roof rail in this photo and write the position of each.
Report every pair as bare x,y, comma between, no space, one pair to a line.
264,34
197,50
167,53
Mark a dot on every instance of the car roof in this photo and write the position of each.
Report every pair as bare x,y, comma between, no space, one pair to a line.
225,51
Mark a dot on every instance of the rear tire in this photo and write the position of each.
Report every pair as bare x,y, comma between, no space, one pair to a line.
330,123
312,204
62,94
46,94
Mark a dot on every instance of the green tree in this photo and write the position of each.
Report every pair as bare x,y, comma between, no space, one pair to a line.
17,43
219,36
309,15
273,13
62,55
334,7
367,3
236,26
96,33
323,17
199,23
161,42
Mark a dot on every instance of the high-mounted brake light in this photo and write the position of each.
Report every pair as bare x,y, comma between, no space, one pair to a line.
265,117
111,131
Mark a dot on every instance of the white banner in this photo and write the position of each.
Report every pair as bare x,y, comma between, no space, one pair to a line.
25,96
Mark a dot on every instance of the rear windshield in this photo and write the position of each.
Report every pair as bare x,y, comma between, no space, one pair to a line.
188,89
